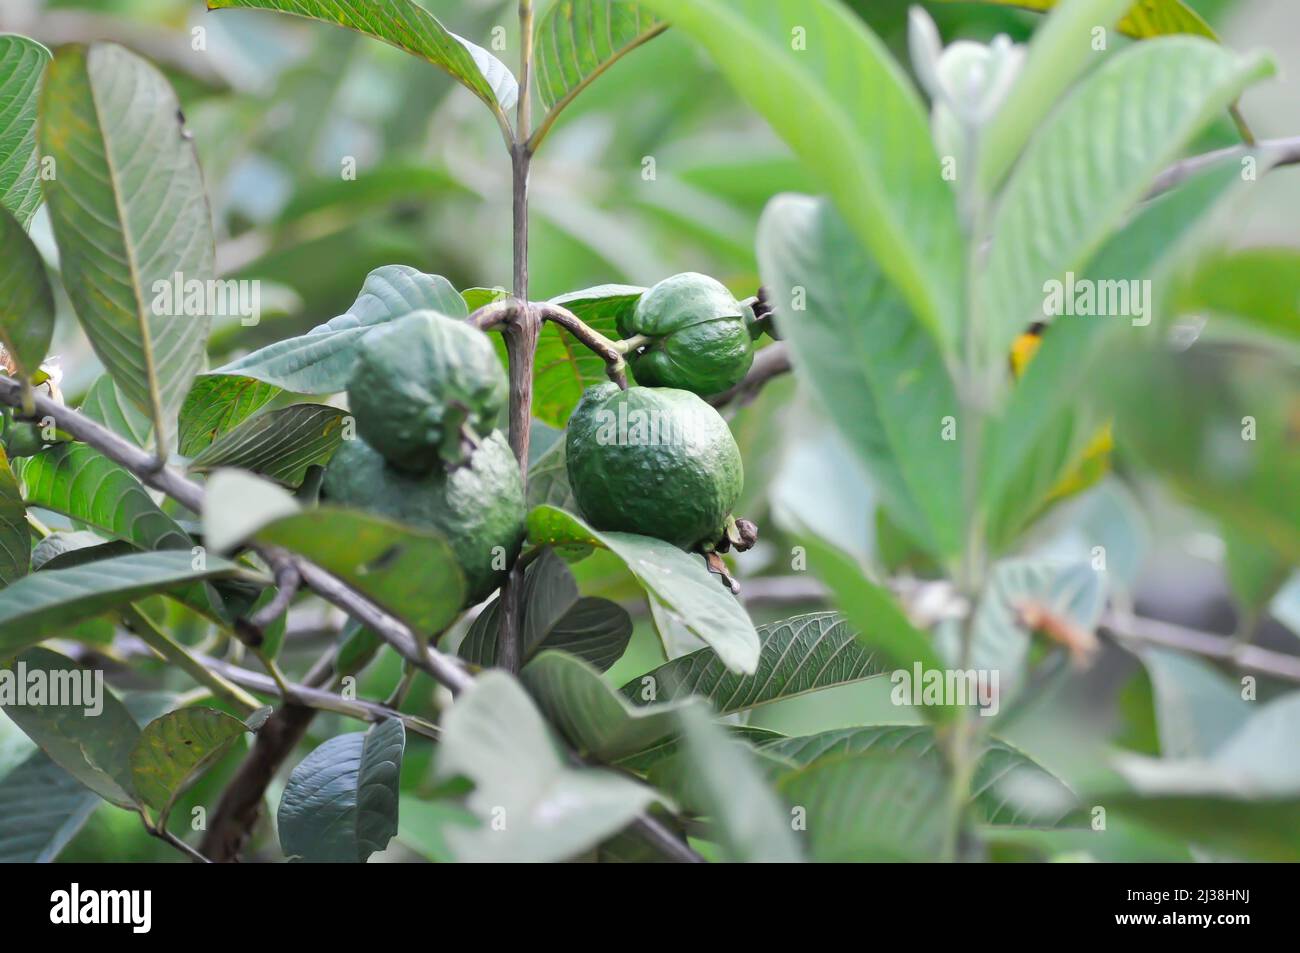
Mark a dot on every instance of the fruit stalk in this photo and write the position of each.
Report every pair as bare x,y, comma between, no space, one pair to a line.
610,351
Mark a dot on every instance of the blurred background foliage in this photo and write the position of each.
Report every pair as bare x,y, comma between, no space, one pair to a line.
278,106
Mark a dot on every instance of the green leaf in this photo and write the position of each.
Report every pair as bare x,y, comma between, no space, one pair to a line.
175,748
1113,144
876,616
41,808
15,535
586,709
93,746
38,606
554,617
61,550
1197,707
880,378
123,227
1043,404
340,803
1265,830
578,40
216,405
78,481
1214,422
279,444
548,480
1061,50
320,361
806,653
1009,789
106,404
237,504
1257,286
1145,19
409,572
409,27
748,820
849,112
564,366
22,61
677,584
551,812
870,807
26,298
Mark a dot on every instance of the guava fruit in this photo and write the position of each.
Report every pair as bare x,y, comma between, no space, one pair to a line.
478,507
653,460
424,388
699,336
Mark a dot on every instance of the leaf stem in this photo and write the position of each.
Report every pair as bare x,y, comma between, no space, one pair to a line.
178,655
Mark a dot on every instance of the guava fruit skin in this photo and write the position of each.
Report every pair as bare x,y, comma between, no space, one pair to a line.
702,337
475,507
416,380
681,492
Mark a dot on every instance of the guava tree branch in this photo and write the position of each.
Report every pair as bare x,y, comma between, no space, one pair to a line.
609,351
769,362
1283,151
241,801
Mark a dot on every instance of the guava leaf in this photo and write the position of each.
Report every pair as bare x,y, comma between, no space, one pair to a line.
578,40
806,653
409,27
106,404
175,747
495,737
340,803
41,604
1048,224
81,483
15,534
26,297
42,807
676,582
122,233
320,361
92,746
22,61
216,405
280,444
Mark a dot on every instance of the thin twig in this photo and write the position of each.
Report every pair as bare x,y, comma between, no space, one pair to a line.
167,837
1282,152
322,700
609,351
175,653
1247,658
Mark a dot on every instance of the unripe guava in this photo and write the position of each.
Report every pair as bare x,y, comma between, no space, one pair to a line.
422,385
478,507
700,336
655,461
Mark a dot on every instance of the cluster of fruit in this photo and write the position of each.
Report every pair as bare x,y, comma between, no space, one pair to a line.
655,459
426,394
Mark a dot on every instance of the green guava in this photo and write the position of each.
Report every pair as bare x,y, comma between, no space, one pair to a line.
699,335
478,507
655,461
424,388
